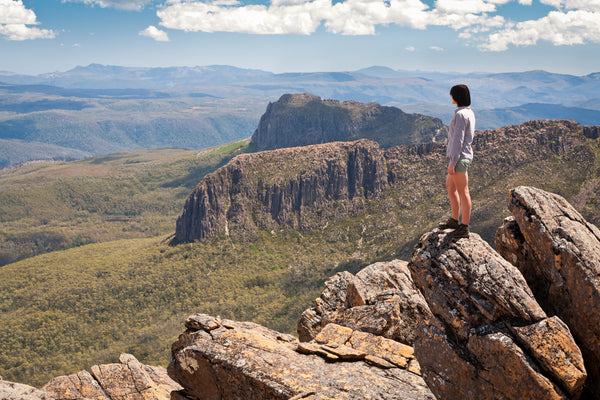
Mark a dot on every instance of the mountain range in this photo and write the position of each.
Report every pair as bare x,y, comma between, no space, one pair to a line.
99,109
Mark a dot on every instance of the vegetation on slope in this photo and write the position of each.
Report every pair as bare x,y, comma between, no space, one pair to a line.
56,205
67,310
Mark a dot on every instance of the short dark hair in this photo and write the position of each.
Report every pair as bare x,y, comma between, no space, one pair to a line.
460,94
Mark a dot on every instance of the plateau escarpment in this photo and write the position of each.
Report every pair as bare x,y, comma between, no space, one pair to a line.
304,119
301,188
396,191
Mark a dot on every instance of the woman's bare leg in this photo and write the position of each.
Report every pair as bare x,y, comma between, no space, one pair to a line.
460,181
453,196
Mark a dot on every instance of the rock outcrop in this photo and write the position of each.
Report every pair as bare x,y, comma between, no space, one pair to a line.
305,119
302,188
558,252
18,391
490,338
127,380
221,359
381,299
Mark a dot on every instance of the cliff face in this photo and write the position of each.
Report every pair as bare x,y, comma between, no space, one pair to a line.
304,119
313,186
302,188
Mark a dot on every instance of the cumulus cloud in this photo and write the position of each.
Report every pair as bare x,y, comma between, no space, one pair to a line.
476,21
155,33
120,4
15,20
558,28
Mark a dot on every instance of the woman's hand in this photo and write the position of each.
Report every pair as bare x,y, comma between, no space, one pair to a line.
451,170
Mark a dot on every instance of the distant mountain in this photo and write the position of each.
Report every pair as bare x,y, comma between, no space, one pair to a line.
489,119
101,108
64,123
381,84
303,119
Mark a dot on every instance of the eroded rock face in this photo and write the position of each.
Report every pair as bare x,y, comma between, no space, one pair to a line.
221,359
294,187
128,380
302,119
558,252
489,339
381,299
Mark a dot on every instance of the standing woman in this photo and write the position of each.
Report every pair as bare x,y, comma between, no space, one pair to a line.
460,153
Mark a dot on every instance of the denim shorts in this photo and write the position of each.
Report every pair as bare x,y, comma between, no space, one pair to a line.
462,165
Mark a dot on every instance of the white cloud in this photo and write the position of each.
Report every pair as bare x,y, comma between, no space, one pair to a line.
155,33
476,21
14,21
558,28
582,5
120,4
436,48
410,48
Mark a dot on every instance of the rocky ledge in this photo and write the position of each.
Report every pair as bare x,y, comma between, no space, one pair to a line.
222,359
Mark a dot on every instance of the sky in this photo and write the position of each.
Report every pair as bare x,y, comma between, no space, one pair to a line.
43,36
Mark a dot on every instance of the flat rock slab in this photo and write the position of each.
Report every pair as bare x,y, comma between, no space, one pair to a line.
241,360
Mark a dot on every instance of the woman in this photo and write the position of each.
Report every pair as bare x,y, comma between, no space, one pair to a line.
460,153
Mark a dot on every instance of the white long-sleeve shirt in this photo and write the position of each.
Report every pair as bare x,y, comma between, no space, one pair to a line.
460,135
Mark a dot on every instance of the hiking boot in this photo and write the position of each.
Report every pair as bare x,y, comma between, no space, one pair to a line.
461,232
450,224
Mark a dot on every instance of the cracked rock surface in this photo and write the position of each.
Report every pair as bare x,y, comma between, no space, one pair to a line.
222,359
127,380
490,339
558,252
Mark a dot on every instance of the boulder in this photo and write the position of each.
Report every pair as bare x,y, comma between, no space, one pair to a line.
558,252
128,380
381,299
222,359
490,339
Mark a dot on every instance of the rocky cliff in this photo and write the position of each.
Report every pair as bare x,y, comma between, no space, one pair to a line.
478,329
398,189
304,119
303,188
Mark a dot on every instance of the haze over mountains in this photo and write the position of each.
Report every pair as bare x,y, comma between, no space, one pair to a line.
99,109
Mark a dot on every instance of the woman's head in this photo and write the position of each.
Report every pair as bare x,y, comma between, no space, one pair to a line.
461,95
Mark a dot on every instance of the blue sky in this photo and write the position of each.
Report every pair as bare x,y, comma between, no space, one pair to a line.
41,36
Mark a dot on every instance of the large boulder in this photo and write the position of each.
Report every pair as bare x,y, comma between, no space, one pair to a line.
558,252
222,359
381,299
489,339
